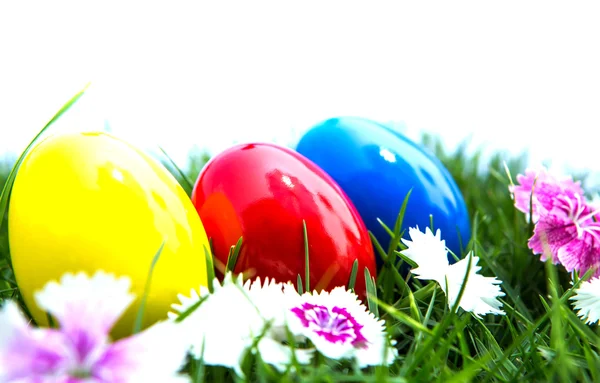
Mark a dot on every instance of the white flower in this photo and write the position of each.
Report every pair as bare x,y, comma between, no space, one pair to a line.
428,251
480,295
341,327
587,301
86,309
227,323
273,300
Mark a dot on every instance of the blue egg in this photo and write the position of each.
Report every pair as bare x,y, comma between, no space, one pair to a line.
377,166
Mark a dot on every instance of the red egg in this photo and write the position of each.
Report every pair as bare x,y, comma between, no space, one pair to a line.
263,192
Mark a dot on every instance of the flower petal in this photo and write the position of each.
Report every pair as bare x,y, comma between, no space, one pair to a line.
223,327
545,188
156,354
341,327
587,301
581,254
82,304
26,352
380,352
279,355
428,252
551,232
481,293
271,299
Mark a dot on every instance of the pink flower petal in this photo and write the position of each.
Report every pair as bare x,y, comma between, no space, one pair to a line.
581,254
551,233
155,354
26,352
79,301
80,351
545,191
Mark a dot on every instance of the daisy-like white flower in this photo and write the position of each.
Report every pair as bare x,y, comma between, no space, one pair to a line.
540,189
225,325
80,350
341,327
273,300
570,234
428,251
587,301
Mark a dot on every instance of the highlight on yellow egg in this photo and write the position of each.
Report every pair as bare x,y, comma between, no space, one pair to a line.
90,201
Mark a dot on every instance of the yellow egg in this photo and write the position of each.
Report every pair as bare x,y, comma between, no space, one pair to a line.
88,202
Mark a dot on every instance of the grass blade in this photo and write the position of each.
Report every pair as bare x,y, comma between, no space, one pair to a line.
299,287
210,268
234,253
371,293
189,185
4,197
378,248
397,226
306,257
190,309
137,326
353,273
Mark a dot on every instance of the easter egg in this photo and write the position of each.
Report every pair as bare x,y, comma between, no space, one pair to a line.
89,202
263,193
377,166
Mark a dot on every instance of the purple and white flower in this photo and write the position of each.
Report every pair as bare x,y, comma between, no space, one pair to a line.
80,350
428,251
226,324
236,316
341,327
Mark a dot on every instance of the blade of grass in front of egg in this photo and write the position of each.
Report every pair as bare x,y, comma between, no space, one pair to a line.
210,269
353,273
386,228
4,197
306,257
299,287
371,293
398,225
400,281
137,325
234,252
188,184
378,247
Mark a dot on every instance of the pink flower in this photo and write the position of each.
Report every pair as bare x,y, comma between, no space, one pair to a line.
570,234
81,351
341,327
336,325
546,188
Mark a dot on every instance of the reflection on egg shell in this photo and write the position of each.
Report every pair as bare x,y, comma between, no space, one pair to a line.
88,202
377,166
263,192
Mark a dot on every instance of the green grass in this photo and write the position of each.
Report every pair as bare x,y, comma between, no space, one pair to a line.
539,339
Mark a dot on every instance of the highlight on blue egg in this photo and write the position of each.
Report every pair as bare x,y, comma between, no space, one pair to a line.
377,166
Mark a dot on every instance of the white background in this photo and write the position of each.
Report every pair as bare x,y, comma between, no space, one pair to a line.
512,75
